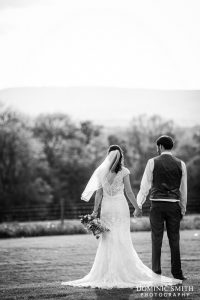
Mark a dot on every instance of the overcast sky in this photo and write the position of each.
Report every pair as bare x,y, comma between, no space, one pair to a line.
134,44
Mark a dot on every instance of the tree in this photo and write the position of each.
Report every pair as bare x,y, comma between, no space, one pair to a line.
53,130
142,136
90,130
20,156
70,151
193,167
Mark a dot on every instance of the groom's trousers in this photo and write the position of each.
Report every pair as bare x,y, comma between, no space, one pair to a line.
169,212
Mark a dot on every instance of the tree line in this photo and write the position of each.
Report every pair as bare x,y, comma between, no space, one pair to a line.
49,157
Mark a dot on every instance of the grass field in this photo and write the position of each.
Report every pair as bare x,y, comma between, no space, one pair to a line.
33,268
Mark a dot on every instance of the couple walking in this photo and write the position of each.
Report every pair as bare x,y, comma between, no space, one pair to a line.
117,264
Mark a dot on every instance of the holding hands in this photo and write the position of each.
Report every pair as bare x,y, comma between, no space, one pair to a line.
137,212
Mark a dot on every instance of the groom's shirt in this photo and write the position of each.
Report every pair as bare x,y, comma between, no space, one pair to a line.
153,177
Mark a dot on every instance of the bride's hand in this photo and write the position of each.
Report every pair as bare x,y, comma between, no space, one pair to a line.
137,212
94,214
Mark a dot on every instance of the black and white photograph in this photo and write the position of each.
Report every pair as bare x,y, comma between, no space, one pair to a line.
99,149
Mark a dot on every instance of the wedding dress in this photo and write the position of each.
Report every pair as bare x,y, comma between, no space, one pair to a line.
117,264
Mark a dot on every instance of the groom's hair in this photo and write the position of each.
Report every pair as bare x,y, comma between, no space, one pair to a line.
165,141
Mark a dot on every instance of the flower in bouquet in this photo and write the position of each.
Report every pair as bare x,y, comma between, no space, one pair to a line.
94,225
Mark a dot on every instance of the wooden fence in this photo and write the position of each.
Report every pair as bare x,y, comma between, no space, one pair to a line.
61,211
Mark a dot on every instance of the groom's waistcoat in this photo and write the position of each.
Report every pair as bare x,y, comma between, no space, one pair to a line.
167,176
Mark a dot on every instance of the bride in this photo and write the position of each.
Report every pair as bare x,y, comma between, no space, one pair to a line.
116,264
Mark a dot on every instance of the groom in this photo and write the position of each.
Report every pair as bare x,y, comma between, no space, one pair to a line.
166,178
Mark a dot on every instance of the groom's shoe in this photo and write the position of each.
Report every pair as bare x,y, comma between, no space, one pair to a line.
181,277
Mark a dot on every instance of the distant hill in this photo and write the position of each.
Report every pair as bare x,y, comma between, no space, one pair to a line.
106,105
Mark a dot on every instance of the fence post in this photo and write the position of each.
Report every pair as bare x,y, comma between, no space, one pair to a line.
62,211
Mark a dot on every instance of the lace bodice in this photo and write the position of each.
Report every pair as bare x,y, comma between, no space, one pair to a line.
117,185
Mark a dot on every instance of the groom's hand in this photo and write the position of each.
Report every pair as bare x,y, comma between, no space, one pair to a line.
137,212
182,213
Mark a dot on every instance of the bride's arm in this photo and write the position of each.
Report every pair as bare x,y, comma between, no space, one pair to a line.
129,192
98,198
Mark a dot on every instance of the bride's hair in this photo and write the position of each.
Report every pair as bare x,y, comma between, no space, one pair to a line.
121,159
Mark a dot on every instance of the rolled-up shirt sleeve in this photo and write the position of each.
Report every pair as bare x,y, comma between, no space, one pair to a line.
183,189
146,183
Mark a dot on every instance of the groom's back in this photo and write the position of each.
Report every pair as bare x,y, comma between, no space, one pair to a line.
167,175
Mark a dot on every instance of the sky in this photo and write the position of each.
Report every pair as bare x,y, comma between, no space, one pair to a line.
149,44
136,56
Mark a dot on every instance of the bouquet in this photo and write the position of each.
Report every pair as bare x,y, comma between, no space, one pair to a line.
94,225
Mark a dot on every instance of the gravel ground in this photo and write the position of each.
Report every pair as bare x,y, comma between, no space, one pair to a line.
33,268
